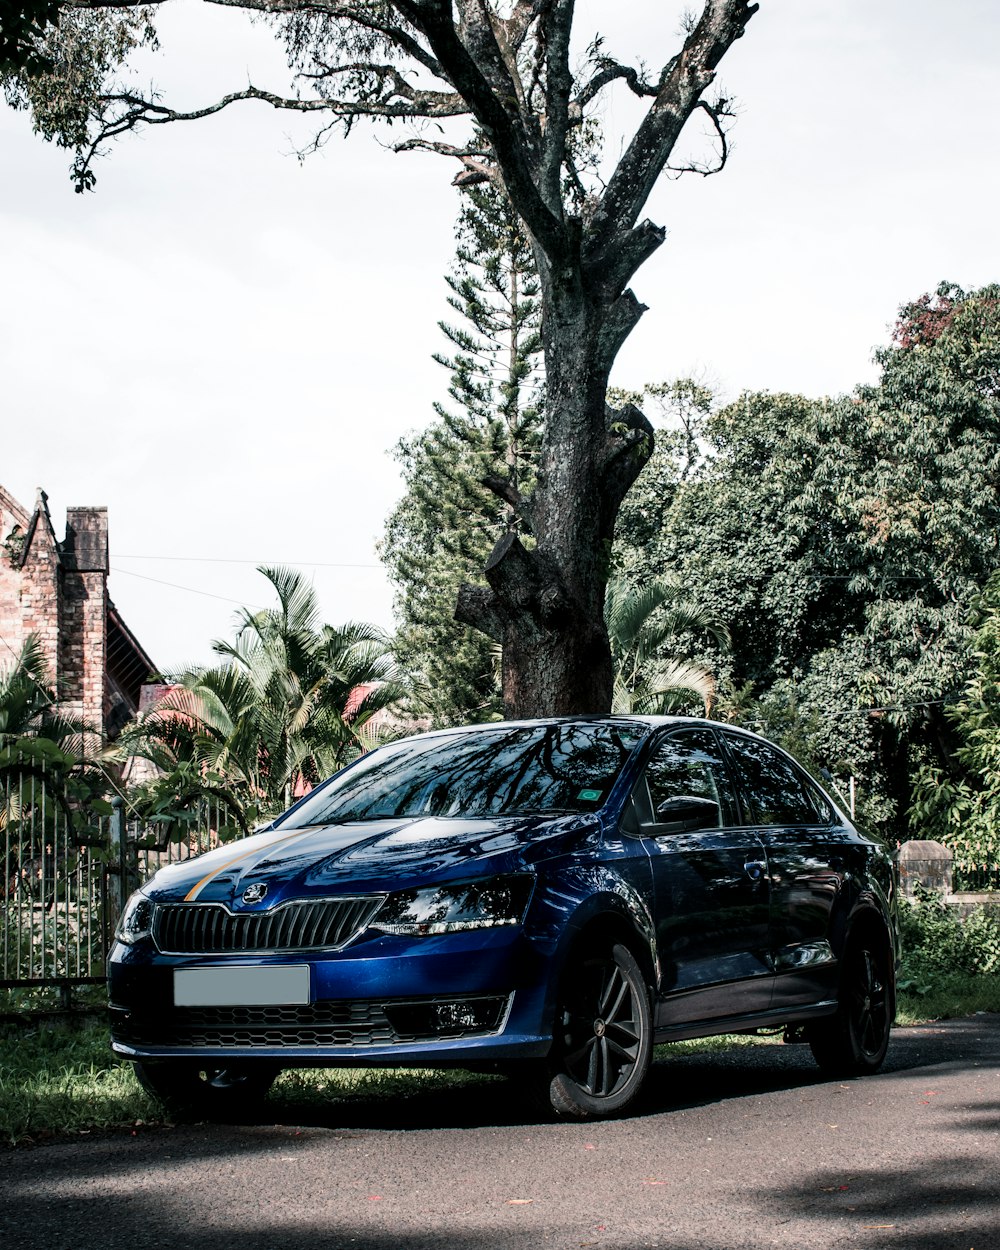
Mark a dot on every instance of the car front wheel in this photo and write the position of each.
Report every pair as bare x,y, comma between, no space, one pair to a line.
855,1040
603,1035
190,1089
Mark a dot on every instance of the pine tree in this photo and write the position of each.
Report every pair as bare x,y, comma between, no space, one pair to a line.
442,531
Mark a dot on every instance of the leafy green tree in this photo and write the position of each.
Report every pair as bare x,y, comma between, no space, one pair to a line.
679,411
57,61
28,705
293,701
841,540
531,82
51,766
960,806
459,470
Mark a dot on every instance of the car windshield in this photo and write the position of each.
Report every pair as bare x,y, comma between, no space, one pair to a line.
498,771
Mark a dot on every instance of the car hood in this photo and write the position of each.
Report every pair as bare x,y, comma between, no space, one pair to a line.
363,857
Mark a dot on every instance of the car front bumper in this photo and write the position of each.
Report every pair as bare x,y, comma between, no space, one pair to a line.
458,999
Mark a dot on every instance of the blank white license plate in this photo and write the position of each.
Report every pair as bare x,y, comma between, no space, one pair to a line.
241,986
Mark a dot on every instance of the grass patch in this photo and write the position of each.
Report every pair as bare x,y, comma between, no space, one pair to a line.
946,995
63,1078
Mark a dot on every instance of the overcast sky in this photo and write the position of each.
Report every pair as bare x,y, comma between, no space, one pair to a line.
223,344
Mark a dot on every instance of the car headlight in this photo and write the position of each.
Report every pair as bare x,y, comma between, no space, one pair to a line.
448,908
136,919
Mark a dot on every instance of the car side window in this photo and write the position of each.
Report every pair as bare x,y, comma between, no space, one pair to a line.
688,783
776,793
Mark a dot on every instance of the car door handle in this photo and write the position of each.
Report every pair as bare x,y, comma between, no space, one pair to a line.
755,869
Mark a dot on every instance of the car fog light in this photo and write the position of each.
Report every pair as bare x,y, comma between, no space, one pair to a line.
447,1017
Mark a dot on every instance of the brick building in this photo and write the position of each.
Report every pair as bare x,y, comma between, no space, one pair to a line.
59,592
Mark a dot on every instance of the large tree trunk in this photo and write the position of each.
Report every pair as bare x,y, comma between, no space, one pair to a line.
545,603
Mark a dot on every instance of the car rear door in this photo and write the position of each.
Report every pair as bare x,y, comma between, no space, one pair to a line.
809,851
709,880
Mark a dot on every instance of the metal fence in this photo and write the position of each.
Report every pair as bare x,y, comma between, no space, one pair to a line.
66,872
968,878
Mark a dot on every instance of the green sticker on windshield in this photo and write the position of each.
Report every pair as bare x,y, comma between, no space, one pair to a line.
589,796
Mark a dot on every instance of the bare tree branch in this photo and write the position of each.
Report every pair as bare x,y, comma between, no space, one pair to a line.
505,490
433,18
722,22
628,445
476,161
717,112
609,72
521,19
130,111
557,26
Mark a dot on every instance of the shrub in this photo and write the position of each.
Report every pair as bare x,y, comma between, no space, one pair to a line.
937,941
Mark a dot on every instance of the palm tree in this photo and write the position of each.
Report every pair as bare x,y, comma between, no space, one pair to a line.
48,761
28,703
644,620
293,701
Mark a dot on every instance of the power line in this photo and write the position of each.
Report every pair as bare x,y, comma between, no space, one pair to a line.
240,603
315,564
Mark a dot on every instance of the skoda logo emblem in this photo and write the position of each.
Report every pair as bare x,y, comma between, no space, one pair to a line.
254,893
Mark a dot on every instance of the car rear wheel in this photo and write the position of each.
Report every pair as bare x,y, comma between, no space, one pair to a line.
188,1088
855,1040
603,1035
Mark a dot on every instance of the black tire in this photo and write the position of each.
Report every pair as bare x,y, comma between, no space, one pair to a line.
603,1035
188,1088
855,1040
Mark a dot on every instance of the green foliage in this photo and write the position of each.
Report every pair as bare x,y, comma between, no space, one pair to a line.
63,69
63,1079
842,542
936,942
960,806
23,24
649,627
44,751
442,531
28,700
950,995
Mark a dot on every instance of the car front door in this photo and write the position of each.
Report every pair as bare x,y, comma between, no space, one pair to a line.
710,884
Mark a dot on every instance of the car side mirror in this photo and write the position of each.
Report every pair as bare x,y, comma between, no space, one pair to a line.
684,812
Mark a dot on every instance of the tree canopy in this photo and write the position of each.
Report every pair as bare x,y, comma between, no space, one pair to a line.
23,25
513,70
843,542
959,803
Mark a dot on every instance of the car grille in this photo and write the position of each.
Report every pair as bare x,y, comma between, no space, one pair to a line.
350,1023
345,1023
212,929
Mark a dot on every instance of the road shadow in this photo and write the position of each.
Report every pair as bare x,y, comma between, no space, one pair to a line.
677,1080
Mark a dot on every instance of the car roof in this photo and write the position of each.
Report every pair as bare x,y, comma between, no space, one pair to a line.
648,723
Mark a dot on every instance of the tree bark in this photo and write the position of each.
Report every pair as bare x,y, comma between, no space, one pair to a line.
545,604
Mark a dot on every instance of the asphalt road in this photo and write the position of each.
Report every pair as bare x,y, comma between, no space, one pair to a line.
746,1149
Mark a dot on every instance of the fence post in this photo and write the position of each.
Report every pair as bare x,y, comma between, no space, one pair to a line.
119,862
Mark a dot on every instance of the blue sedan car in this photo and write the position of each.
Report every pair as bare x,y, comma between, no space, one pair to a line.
550,898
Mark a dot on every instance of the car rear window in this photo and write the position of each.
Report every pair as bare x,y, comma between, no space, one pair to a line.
777,794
